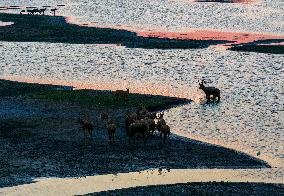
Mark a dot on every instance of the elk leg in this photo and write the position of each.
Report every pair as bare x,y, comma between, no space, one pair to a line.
144,138
214,97
165,137
208,98
90,135
109,138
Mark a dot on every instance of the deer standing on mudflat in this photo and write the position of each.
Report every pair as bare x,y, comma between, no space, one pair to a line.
87,127
111,128
121,94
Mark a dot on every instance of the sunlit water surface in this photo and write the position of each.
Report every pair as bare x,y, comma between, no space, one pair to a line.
250,116
265,16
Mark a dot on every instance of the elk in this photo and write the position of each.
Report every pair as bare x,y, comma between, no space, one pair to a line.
160,123
165,131
130,118
162,127
139,127
87,127
104,117
152,125
142,112
111,128
121,94
160,115
209,90
41,11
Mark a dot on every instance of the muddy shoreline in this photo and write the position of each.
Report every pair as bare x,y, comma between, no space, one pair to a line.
41,138
211,188
56,29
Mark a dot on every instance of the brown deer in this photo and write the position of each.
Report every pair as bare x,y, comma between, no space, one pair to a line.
139,127
215,92
111,128
104,117
121,94
162,127
165,131
87,127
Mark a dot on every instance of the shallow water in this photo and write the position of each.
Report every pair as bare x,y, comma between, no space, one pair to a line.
2,24
263,16
90,184
250,116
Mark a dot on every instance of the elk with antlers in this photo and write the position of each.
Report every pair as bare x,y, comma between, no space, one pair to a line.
209,90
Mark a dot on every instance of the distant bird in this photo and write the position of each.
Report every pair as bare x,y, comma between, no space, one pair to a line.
257,154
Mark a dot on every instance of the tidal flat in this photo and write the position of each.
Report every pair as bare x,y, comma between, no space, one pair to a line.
41,137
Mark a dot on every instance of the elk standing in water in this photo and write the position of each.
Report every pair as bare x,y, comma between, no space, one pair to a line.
215,92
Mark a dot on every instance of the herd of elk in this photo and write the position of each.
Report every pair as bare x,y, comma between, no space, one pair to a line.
141,123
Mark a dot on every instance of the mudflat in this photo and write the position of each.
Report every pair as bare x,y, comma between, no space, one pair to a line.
41,137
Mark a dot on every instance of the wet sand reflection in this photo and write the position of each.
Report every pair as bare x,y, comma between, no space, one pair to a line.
90,184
